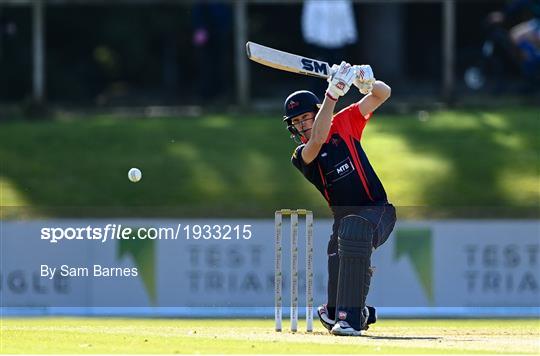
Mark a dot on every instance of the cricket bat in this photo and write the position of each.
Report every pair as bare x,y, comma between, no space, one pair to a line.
287,61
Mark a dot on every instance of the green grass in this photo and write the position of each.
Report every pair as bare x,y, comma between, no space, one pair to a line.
229,166
106,336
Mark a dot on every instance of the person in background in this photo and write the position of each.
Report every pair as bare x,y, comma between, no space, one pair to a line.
522,41
328,27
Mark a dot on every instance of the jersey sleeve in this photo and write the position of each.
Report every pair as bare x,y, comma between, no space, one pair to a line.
351,121
308,170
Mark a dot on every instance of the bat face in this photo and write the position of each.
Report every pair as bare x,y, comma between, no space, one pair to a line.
287,61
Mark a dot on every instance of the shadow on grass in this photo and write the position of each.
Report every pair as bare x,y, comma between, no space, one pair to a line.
493,159
211,166
402,337
229,167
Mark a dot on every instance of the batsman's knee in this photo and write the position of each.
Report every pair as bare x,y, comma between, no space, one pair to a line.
355,236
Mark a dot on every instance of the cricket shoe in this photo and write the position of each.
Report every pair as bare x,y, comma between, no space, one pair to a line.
329,323
325,319
342,328
371,316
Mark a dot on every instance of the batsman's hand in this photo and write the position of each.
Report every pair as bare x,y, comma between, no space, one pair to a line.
364,78
341,80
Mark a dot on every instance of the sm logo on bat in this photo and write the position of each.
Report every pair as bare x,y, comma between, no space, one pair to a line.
314,66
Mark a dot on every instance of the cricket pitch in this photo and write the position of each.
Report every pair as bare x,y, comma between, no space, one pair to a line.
252,336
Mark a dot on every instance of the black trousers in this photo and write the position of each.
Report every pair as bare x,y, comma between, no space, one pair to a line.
382,217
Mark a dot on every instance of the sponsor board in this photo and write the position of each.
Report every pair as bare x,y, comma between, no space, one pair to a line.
443,264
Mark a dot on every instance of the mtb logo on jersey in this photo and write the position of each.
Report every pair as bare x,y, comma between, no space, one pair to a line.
341,170
314,66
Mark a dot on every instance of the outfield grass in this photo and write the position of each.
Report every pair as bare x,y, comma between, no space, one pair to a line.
227,166
97,335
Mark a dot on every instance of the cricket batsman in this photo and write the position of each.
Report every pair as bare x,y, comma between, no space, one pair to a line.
331,157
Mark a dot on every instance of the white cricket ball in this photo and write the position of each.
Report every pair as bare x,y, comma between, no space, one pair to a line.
134,175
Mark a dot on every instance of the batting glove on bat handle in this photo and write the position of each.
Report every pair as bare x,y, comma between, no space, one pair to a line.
364,78
340,81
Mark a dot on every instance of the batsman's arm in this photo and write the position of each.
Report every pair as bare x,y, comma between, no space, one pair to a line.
320,130
379,94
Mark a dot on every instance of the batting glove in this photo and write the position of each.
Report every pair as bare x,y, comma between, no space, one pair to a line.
364,78
340,81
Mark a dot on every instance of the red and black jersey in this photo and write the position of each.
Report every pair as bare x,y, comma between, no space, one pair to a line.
341,171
